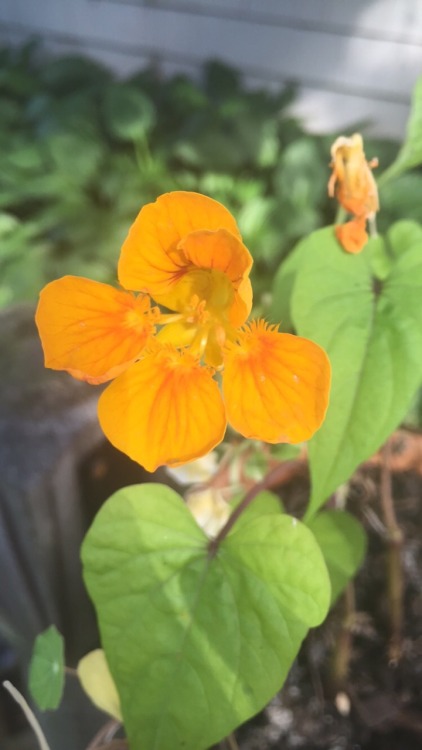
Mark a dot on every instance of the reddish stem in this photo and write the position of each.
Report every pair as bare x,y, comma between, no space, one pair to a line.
281,474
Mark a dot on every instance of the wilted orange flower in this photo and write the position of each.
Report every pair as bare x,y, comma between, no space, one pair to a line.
353,184
164,407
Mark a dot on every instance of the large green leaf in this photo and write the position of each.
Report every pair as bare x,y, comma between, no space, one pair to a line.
410,154
343,544
281,304
372,332
197,643
46,670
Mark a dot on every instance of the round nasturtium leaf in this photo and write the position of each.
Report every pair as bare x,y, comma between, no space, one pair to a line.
197,642
343,543
46,670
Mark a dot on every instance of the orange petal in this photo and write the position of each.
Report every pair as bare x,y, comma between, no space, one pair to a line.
219,250
166,409
150,259
275,385
242,303
216,267
352,235
222,251
90,329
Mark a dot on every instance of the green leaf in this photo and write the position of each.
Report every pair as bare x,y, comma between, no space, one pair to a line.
129,113
266,503
401,197
284,451
283,288
8,224
256,466
372,333
301,175
343,543
197,643
380,257
410,154
46,670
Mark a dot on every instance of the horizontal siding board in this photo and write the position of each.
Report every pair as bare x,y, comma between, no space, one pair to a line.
384,67
325,111
392,20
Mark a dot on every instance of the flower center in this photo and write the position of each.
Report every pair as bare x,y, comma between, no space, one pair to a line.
203,301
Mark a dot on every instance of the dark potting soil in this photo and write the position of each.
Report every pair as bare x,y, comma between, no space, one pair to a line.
378,704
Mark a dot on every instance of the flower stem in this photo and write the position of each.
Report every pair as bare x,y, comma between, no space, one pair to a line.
279,475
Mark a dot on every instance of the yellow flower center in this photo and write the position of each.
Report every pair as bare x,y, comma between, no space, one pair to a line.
203,299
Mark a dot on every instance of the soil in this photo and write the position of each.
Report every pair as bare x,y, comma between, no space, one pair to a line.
377,703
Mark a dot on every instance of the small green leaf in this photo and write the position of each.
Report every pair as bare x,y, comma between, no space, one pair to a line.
372,333
197,643
343,544
256,466
410,154
129,113
46,670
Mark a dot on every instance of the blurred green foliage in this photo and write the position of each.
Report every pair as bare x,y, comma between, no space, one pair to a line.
82,152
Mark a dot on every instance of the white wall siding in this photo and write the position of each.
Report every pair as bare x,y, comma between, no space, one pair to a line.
354,60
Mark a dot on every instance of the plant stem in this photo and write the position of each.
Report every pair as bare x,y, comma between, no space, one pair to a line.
343,648
105,734
394,553
230,742
279,475
32,719
71,671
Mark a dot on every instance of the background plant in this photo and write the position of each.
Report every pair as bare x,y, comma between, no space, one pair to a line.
82,152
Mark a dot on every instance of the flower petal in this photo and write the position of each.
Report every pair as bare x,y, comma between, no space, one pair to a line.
352,236
91,329
219,250
222,251
216,267
352,181
166,409
150,258
275,385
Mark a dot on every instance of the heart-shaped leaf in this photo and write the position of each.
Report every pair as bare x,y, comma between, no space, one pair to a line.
372,332
46,670
284,281
197,642
343,544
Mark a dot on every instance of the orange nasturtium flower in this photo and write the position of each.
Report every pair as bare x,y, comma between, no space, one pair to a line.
164,406
353,184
